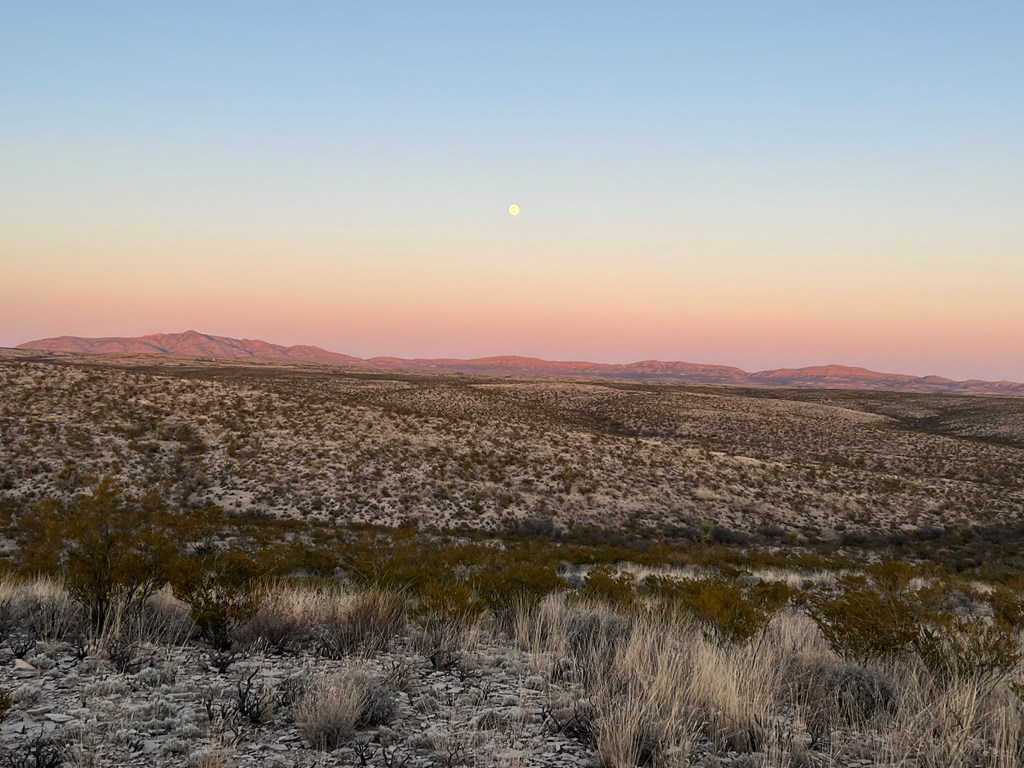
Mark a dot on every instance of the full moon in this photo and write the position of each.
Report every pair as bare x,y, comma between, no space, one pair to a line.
513,209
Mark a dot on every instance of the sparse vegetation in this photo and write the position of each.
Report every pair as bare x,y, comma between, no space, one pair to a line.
417,570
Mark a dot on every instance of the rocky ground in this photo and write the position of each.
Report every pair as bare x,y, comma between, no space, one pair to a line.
176,710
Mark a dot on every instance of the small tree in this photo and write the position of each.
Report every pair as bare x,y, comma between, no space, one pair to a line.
108,546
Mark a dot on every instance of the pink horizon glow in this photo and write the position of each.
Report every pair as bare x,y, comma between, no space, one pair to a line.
616,319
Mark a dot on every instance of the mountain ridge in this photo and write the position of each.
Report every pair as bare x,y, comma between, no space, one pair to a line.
831,376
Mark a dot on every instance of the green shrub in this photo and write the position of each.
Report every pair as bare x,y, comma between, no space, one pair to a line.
221,591
883,617
866,621
109,546
727,609
1007,607
957,648
505,585
605,584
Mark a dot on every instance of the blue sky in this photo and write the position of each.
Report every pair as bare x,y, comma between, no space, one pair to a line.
701,150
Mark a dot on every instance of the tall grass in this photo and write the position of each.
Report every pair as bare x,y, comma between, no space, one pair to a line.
663,692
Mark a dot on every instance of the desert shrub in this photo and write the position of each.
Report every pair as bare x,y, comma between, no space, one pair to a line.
440,638
221,591
122,650
16,628
771,532
22,642
536,526
505,588
728,610
1007,607
254,700
866,620
457,576
448,598
299,559
10,619
605,584
107,545
369,621
883,617
721,535
38,752
575,720
860,693
956,648
378,701
189,436
273,625
331,709
55,617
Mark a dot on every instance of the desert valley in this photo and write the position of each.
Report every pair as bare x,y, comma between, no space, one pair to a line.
274,561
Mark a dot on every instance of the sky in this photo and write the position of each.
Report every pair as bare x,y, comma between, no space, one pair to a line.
746,183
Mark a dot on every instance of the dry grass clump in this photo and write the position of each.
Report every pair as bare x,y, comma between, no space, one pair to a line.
42,610
369,621
282,618
660,691
334,707
642,710
165,619
540,627
966,722
328,711
39,609
334,622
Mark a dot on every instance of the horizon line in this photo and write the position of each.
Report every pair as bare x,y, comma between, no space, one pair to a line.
453,358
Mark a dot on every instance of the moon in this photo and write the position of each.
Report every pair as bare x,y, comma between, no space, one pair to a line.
513,210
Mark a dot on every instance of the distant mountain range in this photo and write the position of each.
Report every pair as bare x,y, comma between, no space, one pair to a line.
203,345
